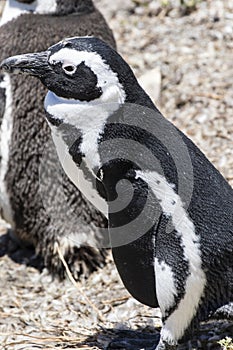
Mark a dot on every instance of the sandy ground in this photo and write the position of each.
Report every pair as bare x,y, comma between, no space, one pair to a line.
189,60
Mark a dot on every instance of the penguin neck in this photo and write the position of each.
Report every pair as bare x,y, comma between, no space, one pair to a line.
14,9
88,118
82,114
79,123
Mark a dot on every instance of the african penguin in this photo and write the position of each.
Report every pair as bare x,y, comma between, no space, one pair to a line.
25,142
169,211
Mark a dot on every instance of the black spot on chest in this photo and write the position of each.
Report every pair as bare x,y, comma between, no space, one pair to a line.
53,120
73,139
2,98
70,135
75,152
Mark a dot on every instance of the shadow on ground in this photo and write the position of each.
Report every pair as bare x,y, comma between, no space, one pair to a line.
113,339
206,339
133,340
19,253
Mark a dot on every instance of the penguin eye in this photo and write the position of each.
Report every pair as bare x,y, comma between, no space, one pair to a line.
69,68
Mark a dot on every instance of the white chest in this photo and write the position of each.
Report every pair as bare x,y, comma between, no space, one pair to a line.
79,178
90,119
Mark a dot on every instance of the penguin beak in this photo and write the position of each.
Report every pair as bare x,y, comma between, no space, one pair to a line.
35,64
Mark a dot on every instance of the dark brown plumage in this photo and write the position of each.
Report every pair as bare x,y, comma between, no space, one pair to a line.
33,223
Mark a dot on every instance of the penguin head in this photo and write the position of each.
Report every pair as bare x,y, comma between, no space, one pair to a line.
18,7
80,68
14,8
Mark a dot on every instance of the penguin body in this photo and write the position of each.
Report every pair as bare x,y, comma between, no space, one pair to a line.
169,210
25,142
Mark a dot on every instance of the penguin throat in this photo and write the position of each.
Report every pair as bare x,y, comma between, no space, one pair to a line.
83,114
88,118
14,9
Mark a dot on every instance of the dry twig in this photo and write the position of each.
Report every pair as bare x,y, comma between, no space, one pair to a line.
71,278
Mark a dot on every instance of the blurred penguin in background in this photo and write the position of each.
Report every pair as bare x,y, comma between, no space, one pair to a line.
28,168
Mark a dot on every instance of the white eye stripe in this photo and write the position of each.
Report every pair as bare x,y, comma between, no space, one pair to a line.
107,79
91,59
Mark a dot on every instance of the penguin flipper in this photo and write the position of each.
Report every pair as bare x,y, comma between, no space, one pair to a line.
131,230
